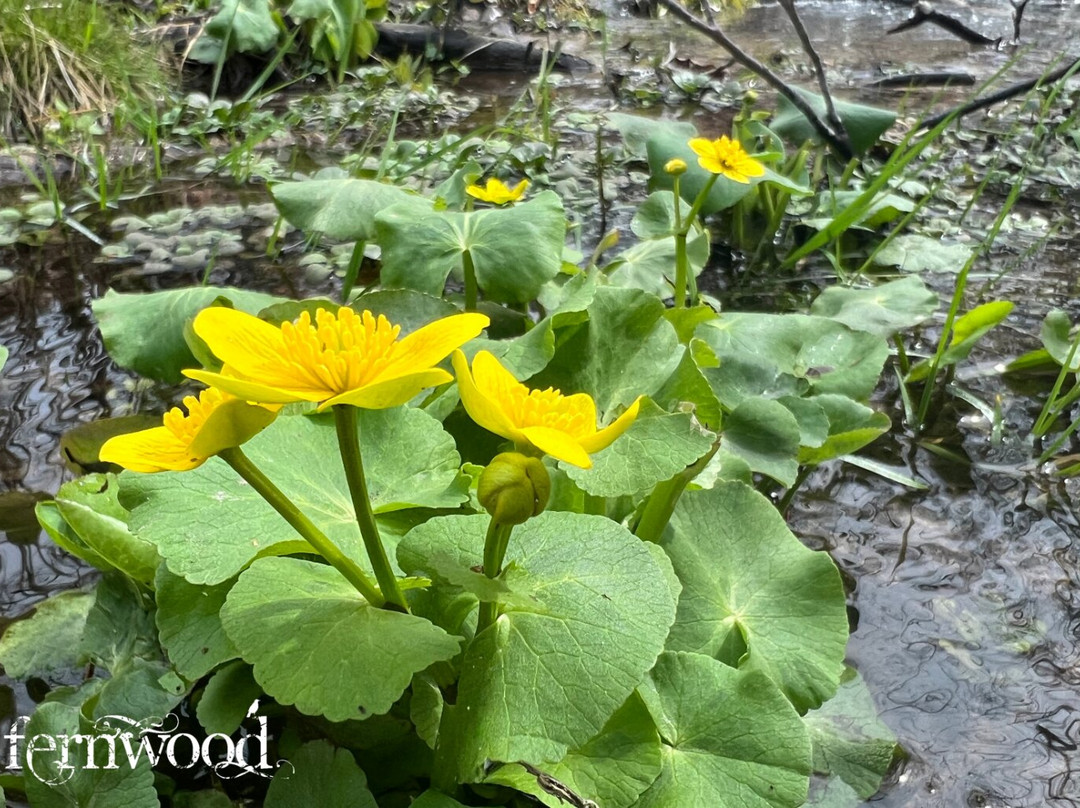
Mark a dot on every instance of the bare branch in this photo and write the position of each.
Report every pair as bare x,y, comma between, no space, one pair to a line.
924,12
1002,95
819,68
837,141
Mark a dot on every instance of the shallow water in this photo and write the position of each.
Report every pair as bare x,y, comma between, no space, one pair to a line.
966,596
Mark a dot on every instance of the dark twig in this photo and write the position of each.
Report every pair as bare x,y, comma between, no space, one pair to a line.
1018,14
819,68
1002,95
924,12
837,142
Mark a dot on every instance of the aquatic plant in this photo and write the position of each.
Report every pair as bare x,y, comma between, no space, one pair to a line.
615,614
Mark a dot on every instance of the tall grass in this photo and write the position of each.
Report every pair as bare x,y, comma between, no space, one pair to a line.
78,55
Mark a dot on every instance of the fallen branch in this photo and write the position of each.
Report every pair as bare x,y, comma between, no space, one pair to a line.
924,13
480,53
1004,94
837,141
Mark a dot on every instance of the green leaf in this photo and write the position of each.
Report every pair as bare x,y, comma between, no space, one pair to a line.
145,332
687,388
247,25
627,348
320,775
189,627
636,130
966,332
612,769
864,124
916,253
434,799
341,209
61,778
730,738
227,697
316,644
655,448
650,265
1057,337
405,307
80,445
426,708
118,628
754,595
829,355
850,741
851,426
3,361
882,310
515,250
49,639
766,435
48,516
548,675
208,524
91,507
811,417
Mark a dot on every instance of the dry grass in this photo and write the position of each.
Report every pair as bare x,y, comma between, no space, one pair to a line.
68,55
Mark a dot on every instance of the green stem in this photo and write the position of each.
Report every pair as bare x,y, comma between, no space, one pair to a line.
251,474
349,443
680,250
470,281
596,505
353,271
665,496
495,544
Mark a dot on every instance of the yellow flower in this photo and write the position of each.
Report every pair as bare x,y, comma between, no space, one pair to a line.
727,157
343,358
561,426
497,192
214,421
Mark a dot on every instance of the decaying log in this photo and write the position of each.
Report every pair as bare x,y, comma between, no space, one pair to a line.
478,52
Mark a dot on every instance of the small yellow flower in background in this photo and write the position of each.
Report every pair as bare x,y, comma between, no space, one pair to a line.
214,421
727,157
497,192
343,358
675,166
561,426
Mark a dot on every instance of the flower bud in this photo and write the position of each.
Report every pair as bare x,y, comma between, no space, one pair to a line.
514,488
675,166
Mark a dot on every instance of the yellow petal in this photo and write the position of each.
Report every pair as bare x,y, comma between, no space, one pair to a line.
518,190
231,424
150,450
557,444
253,348
431,344
482,409
703,147
392,392
491,378
253,391
606,436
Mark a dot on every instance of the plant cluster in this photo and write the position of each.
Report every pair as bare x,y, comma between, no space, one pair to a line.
546,575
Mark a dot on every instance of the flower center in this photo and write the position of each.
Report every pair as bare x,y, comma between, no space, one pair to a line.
550,408
186,427
341,352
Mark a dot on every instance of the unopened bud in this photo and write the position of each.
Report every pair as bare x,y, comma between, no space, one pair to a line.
675,166
514,488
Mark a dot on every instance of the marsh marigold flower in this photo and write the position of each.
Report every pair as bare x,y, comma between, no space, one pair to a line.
726,157
561,426
497,192
214,421
339,358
